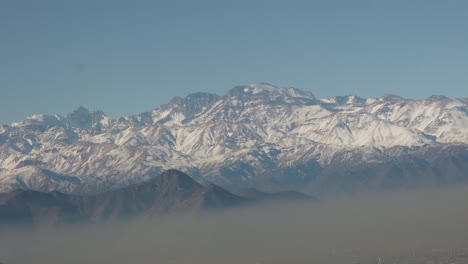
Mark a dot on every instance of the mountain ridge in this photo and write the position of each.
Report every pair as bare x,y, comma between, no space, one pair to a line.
251,134
171,191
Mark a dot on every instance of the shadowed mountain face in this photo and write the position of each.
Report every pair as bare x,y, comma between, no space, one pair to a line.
43,209
171,191
431,167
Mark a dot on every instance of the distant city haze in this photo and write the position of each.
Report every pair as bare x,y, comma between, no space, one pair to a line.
129,57
333,231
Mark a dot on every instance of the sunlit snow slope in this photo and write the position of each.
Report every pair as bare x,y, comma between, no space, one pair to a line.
246,137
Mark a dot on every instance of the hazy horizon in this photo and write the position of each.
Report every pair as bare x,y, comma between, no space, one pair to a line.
366,225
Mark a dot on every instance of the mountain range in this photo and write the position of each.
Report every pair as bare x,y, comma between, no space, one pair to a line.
259,135
170,192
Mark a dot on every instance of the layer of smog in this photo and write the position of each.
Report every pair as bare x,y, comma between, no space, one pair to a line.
404,227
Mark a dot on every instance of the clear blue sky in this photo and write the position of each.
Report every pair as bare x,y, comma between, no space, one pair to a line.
126,57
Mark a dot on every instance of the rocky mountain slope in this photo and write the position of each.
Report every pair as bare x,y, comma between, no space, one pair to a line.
171,191
255,135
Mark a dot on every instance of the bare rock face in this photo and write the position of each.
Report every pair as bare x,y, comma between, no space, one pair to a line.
257,135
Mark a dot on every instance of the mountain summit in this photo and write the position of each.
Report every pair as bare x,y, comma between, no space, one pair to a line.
254,135
269,90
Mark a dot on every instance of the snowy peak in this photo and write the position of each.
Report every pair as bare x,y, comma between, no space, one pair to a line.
205,105
438,98
181,110
346,100
268,90
198,100
258,129
80,118
392,98
80,111
193,104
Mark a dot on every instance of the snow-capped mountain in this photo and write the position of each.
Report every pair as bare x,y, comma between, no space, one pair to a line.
251,136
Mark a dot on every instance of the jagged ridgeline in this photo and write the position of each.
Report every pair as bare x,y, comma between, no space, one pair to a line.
258,135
